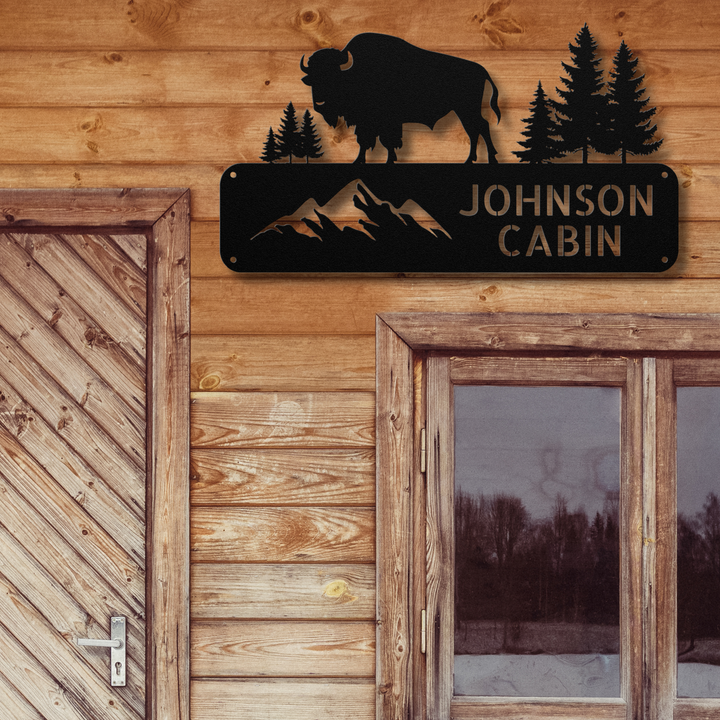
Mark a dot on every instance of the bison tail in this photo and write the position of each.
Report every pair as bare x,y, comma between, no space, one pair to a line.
493,98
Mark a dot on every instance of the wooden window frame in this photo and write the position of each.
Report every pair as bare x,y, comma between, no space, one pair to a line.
419,356
163,215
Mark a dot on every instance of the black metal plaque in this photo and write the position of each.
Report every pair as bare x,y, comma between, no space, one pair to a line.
536,216
556,218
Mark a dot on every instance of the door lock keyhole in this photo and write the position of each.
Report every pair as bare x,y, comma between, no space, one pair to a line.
118,666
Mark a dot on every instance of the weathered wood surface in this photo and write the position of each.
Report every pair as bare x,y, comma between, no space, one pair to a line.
207,24
282,363
539,708
280,535
13,705
283,592
226,135
282,477
699,186
100,78
169,465
692,372
88,336
698,241
128,206
277,649
349,306
274,420
395,465
520,332
93,396
696,709
286,698
534,371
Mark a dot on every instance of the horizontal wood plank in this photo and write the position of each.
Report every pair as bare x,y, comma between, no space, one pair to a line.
276,535
227,135
275,649
282,363
348,306
699,257
300,420
282,477
282,592
537,332
530,371
699,186
118,77
296,699
696,709
207,24
125,206
517,709
696,372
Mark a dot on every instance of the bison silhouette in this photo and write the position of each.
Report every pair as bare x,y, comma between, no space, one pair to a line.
378,82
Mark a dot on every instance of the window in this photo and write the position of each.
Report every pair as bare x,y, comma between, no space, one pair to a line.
562,532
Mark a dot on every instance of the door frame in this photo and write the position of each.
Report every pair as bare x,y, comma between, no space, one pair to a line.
163,215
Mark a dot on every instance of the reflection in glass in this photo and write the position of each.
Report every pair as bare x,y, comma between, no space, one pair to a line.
537,485
698,567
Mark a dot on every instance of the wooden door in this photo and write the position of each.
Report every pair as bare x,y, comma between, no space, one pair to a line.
93,383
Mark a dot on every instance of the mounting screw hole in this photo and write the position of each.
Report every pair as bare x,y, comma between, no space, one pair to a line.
665,175
665,260
234,174
233,260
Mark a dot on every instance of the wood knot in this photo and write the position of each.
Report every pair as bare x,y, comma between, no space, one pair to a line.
10,218
209,382
113,57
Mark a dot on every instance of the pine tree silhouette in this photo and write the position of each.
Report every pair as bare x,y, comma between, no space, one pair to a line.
270,149
541,146
582,117
629,118
289,140
310,141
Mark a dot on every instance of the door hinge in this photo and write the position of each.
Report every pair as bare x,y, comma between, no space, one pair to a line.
422,450
423,631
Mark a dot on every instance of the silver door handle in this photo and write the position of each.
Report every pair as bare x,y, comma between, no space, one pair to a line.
116,643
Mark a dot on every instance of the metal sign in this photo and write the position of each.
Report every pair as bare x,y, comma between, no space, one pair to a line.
537,215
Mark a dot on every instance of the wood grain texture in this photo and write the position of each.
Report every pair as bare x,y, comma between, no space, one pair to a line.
13,705
394,453
349,306
538,708
692,372
277,649
666,540
85,334
97,78
168,469
282,592
510,332
206,24
297,699
224,135
534,371
282,363
130,207
279,535
282,477
440,593
267,420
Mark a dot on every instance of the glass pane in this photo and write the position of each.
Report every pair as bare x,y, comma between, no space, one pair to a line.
537,485
698,568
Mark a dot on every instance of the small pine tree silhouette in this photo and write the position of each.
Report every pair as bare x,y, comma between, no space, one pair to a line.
541,145
270,149
629,118
310,141
581,118
289,140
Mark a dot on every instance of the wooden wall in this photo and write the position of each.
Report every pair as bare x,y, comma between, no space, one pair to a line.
115,93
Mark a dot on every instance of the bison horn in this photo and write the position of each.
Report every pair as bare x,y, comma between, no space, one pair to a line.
303,66
347,62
